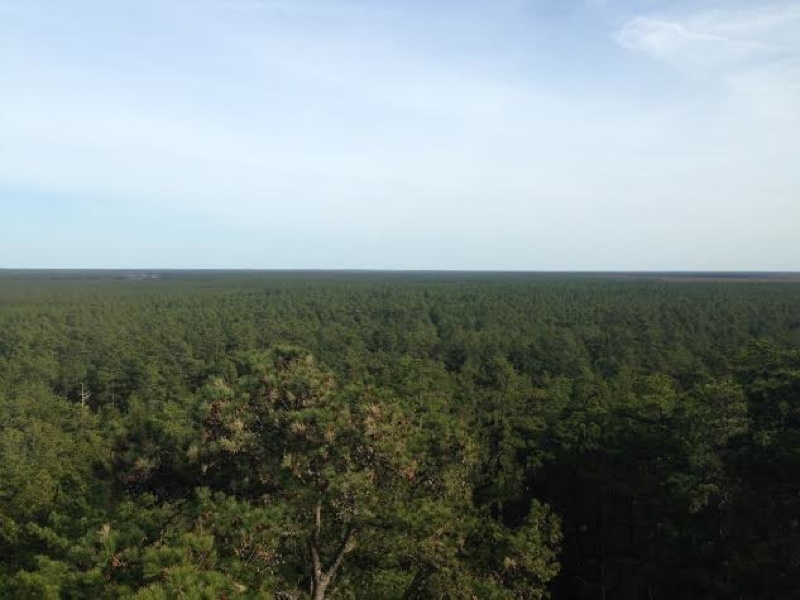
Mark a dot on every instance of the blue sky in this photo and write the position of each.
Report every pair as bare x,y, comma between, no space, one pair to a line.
479,134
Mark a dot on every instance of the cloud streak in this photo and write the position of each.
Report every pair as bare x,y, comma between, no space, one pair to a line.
753,54
713,38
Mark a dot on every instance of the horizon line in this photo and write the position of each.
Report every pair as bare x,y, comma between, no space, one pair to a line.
400,270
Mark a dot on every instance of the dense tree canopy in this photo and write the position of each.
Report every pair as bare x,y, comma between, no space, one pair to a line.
398,436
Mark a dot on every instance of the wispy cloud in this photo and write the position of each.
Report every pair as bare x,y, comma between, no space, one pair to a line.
753,53
713,38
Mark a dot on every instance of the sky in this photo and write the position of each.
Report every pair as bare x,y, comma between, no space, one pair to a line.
388,134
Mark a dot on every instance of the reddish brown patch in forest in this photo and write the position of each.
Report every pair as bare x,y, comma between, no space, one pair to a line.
792,279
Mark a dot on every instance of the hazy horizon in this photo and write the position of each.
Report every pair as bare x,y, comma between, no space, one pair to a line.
235,270
522,136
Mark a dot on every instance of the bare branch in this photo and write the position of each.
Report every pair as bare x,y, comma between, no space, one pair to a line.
344,548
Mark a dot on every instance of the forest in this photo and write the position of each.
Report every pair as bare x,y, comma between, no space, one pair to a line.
296,435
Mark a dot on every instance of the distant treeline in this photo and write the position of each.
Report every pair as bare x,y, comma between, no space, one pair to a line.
293,435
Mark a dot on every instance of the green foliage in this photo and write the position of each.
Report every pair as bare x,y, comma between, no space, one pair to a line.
392,436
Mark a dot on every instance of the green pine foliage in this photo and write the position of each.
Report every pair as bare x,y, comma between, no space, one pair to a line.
397,436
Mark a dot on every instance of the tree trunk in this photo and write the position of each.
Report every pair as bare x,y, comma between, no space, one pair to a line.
318,591
321,578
